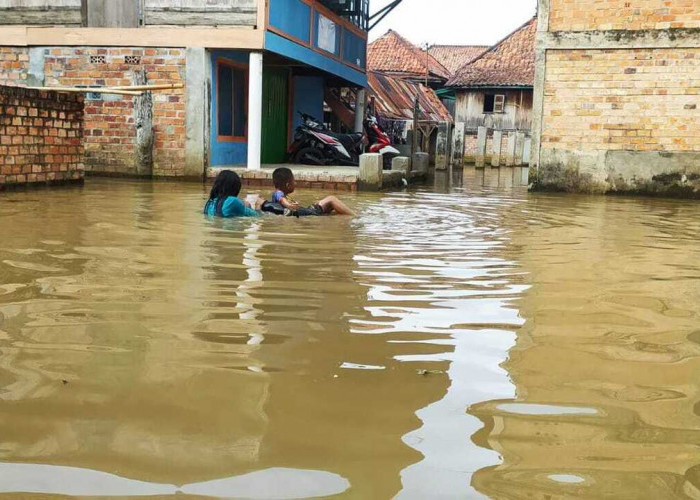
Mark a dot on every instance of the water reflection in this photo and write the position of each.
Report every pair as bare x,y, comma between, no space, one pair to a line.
436,277
270,484
464,340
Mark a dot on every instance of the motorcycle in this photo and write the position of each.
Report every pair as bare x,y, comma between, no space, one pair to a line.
380,142
314,144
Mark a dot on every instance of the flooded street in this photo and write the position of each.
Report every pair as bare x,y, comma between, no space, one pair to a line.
456,342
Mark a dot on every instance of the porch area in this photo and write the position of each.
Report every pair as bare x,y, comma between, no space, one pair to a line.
307,177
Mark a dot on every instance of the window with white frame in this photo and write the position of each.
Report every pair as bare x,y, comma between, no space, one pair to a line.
494,103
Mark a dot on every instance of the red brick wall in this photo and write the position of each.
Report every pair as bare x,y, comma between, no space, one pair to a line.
580,15
110,131
14,63
470,147
40,136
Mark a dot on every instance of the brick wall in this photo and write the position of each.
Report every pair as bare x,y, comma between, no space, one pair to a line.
470,147
110,131
40,137
14,63
633,100
580,15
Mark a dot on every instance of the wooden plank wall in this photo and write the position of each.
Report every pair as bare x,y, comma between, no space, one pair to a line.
516,116
113,13
201,12
41,12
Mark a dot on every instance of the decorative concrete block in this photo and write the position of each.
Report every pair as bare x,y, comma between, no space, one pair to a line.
371,172
401,164
443,146
510,149
497,145
480,156
527,151
519,147
420,163
458,144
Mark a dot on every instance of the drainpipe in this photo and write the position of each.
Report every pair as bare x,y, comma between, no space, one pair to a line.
360,104
255,107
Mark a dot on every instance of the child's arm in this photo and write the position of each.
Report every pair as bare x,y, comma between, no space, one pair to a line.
238,209
287,203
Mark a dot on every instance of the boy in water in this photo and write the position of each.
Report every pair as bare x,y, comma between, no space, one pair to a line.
283,179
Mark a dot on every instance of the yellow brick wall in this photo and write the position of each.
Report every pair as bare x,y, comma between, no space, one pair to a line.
581,15
635,100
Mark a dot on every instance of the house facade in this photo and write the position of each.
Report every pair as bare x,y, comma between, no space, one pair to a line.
616,99
247,67
495,89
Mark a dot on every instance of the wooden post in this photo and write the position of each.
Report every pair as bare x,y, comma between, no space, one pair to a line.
143,119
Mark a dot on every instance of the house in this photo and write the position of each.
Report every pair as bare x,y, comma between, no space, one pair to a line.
400,73
495,89
247,68
616,100
395,56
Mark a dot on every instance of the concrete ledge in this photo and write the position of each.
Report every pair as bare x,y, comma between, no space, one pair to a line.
668,174
307,177
23,186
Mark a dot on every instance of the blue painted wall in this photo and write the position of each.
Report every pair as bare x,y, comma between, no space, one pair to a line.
293,17
221,152
354,49
287,48
308,97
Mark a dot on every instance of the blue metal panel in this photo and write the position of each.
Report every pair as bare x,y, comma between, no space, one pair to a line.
308,97
222,152
292,17
354,49
279,45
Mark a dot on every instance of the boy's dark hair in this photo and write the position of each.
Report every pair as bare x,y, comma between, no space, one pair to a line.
226,184
281,177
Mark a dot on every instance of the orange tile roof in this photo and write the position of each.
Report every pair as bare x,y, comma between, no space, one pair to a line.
394,98
454,57
509,63
392,53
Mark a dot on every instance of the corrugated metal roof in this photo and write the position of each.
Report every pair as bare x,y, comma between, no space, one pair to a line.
394,99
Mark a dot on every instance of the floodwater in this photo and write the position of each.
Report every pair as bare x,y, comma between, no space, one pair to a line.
449,342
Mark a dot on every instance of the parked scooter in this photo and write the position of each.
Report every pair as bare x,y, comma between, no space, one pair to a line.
380,142
314,144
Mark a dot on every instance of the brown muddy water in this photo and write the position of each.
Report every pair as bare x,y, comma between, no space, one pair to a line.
448,342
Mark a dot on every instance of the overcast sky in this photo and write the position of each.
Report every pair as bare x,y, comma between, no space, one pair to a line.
454,22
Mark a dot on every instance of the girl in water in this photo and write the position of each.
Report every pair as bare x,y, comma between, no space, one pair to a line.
223,199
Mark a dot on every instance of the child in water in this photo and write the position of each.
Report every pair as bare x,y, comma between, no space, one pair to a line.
223,199
283,179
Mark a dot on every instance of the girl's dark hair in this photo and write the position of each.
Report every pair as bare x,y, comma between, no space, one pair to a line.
226,184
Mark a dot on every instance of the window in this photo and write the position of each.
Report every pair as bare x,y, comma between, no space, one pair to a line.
231,98
494,103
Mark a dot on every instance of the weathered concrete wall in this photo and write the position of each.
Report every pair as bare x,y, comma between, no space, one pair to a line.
40,137
617,96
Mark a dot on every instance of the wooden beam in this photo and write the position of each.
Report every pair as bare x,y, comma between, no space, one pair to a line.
215,38
167,86
85,90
